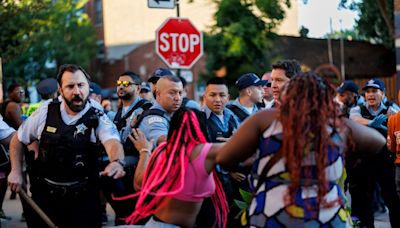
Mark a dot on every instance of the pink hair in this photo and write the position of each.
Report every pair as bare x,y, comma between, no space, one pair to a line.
164,175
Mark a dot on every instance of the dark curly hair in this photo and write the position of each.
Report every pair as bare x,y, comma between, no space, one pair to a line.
307,110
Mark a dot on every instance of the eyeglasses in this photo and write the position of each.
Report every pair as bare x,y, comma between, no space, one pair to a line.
125,83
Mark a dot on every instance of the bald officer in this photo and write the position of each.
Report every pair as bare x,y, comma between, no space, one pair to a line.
155,123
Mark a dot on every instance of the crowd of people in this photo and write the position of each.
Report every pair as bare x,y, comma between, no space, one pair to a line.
282,154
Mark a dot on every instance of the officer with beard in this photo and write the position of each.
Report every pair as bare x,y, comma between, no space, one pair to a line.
64,176
347,96
128,89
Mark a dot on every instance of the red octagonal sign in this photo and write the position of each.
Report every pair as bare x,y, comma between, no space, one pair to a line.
178,43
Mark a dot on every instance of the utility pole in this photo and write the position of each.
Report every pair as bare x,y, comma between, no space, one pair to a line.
178,72
330,44
342,66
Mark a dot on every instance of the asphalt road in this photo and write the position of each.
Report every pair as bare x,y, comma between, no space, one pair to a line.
13,209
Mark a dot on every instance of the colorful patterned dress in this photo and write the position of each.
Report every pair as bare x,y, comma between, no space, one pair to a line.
268,209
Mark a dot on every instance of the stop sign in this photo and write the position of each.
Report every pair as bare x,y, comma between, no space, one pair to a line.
178,43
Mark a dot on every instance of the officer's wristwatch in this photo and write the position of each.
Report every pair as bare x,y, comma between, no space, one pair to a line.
120,161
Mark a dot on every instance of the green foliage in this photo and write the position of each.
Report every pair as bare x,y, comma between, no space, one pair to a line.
38,36
375,22
348,34
242,35
304,31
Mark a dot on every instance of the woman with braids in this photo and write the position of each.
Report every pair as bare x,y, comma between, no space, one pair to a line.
178,175
295,178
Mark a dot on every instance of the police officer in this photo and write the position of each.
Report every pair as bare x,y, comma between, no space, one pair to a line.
47,89
250,93
128,88
221,123
376,169
155,76
6,133
154,123
64,178
347,96
145,92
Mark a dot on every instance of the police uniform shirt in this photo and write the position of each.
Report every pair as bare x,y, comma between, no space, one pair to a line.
356,111
125,131
5,130
32,128
154,126
192,104
224,126
237,103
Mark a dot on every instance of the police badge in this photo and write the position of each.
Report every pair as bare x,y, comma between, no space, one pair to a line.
80,129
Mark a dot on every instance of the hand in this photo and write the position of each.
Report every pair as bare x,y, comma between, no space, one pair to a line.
139,140
388,142
34,148
113,169
15,180
237,176
133,122
378,121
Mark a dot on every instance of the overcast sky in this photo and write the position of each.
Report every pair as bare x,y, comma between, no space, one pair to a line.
316,13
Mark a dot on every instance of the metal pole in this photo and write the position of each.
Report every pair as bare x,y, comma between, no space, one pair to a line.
330,44
342,66
177,8
178,72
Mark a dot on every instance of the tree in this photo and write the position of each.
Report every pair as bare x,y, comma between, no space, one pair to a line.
38,36
242,35
375,21
304,31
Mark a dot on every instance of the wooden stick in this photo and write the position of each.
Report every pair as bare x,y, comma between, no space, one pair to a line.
36,208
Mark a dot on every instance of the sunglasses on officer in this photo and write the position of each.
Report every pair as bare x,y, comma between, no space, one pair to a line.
125,83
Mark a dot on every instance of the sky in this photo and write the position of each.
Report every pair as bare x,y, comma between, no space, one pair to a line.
316,13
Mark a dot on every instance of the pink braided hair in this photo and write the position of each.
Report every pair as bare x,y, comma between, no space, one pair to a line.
164,175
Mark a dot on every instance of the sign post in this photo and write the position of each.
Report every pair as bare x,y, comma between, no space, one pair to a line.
161,4
178,43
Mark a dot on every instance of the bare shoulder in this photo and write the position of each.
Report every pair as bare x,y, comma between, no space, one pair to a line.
262,119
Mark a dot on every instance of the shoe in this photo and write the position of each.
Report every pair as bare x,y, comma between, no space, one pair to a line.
23,219
3,215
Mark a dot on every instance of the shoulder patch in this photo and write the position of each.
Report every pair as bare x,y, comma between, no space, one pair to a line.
155,119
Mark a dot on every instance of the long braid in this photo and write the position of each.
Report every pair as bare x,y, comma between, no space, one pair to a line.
306,112
164,175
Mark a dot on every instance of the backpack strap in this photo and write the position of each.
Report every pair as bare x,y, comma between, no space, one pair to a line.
148,112
242,115
120,121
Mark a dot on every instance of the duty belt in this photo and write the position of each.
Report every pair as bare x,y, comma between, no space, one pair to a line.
63,188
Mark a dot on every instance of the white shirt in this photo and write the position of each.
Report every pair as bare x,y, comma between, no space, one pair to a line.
31,129
5,130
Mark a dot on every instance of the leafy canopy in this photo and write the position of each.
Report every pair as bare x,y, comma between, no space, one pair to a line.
242,35
36,36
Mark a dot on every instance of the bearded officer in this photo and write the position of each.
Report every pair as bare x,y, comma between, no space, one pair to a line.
64,177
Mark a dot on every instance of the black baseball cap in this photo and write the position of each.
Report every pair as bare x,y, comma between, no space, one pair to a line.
249,79
348,85
47,86
94,88
158,73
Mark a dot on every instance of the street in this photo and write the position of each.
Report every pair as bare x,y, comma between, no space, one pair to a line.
12,208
